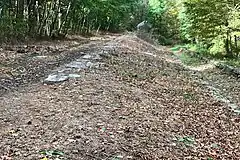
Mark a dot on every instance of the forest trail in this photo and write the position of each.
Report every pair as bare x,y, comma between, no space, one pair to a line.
123,98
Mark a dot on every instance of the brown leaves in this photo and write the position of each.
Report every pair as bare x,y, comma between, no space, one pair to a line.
136,107
6,158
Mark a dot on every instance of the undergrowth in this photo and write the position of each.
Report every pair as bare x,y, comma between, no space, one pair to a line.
190,55
194,55
233,62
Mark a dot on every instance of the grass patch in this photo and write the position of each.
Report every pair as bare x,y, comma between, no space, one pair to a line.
191,54
194,55
179,47
187,141
232,62
189,96
52,153
191,59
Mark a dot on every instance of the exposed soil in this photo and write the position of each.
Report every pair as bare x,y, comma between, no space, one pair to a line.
139,105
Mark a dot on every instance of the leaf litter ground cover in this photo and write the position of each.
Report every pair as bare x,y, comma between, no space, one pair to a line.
138,105
25,63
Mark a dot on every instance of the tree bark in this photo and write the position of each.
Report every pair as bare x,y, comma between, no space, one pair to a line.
32,16
20,10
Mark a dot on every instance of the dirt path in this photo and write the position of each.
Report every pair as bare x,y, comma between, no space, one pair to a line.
136,105
28,63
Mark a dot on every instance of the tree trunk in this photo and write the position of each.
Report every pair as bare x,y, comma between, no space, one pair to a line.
228,46
20,10
236,46
32,16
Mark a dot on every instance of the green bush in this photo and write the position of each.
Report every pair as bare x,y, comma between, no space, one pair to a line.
191,54
179,47
12,29
218,46
233,62
191,60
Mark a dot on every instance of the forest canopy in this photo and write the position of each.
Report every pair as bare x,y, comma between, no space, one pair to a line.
49,17
213,24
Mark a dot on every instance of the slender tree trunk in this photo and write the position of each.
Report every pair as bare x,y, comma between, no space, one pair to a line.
32,16
63,25
54,18
236,45
20,10
228,45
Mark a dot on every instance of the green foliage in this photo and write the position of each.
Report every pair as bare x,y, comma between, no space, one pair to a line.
218,46
54,18
191,54
163,16
211,22
187,141
205,18
52,153
199,49
12,28
189,96
213,26
179,47
232,62
190,60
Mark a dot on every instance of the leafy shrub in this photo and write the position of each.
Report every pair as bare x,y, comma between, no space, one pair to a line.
191,54
164,41
233,62
191,60
218,46
12,29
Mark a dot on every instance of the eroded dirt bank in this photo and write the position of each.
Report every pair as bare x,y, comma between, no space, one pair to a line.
138,104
